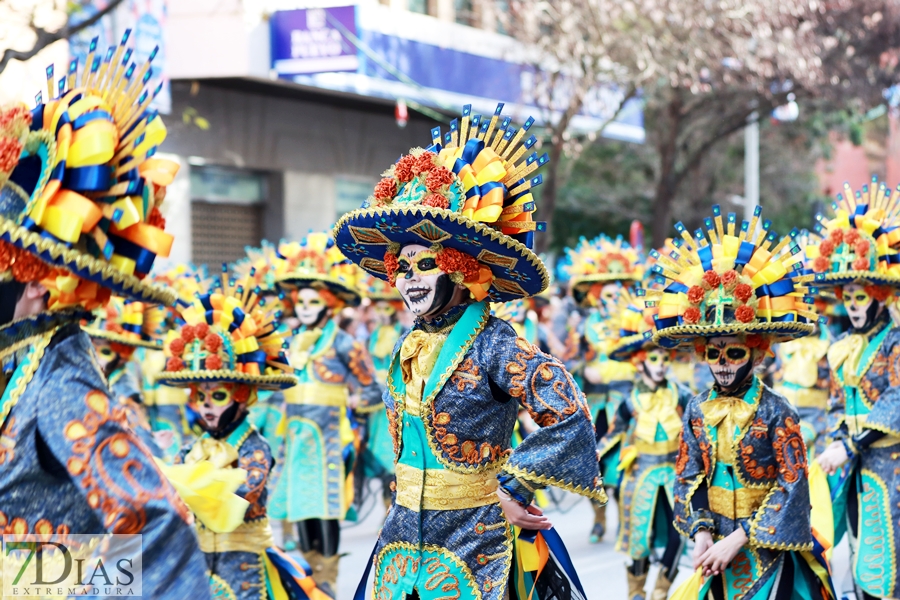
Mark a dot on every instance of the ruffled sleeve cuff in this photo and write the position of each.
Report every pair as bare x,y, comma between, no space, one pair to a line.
700,520
518,490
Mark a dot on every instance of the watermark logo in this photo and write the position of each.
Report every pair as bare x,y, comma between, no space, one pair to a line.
81,566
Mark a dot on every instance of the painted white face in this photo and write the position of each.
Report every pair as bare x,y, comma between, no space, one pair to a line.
383,312
310,306
656,365
106,356
729,359
858,304
419,281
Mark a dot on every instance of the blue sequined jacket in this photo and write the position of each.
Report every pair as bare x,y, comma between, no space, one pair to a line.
769,477
69,464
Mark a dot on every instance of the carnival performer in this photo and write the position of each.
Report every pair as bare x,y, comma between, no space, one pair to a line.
856,259
124,326
70,462
598,271
451,227
648,426
384,310
167,406
228,349
314,490
741,489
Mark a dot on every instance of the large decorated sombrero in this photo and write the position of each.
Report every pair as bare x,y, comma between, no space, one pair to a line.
317,262
599,261
861,242
634,324
731,280
260,264
78,187
228,337
468,192
129,322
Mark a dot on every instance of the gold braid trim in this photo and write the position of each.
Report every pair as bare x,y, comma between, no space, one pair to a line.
845,277
36,354
685,334
66,257
882,428
687,502
755,525
186,377
598,494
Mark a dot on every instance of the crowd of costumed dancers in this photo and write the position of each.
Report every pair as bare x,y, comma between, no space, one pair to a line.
734,393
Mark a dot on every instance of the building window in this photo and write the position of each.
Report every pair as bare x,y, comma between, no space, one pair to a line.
226,213
351,193
417,6
465,12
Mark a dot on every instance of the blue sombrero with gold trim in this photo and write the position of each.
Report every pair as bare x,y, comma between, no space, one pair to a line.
316,262
84,192
731,279
469,191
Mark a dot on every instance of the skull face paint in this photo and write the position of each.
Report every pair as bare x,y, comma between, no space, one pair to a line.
424,287
862,309
106,356
215,403
730,361
310,308
655,366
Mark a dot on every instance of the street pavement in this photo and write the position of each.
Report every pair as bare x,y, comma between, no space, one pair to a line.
600,568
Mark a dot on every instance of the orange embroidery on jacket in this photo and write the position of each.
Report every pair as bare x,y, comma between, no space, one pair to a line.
19,528
759,429
361,364
468,452
257,469
465,375
790,451
325,374
754,469
705,448
543,412
123,509
683,454
392,429
8,441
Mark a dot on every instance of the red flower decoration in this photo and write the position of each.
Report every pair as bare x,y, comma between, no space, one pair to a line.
712,279
437,178
861,264
696,294
385,189
450,260
213,362
879,292
10,150
391,264
729,279
691,316
743,291
837,237
861,248
424,163
176,347
826,248
212,341
436,200
200,330
7,255
700,347
754,340
403,170
28,268
156,219
821,264
187,334
174,364
241,393
852,237
745,314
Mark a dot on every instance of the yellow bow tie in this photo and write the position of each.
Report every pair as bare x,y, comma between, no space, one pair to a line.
301,346
717,410
848,352
219,452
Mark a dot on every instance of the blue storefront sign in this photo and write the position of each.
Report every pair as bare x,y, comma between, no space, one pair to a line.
378,52
308,40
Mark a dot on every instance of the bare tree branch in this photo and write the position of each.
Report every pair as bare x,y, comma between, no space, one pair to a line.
45,38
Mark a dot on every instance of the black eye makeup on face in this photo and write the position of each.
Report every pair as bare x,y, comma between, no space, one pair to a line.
403,266
426,264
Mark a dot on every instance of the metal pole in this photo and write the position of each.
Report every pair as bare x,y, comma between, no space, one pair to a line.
751,165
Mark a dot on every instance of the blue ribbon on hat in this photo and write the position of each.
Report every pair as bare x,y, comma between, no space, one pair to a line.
745,253
88,179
